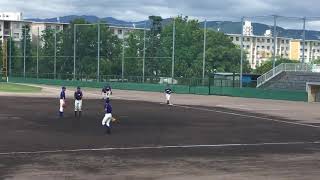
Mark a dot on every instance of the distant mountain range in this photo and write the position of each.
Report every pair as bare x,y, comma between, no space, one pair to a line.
223,26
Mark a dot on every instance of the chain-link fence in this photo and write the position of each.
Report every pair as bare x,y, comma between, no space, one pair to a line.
174,51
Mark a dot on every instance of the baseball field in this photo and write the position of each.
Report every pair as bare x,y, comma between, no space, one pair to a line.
198,137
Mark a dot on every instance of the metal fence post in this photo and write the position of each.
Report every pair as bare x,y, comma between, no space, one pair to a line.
144,52
242,52
74,51
55,54
10,53
274,41
173,48
38,36
204,50
303,39
122,61
24,52
98,54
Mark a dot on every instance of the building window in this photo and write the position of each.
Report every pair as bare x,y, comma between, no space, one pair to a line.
248,46
48,27
248,39
268,40
237,38
119,31
282,41
16,35
231,38
262,47
58,28
268,47
263,40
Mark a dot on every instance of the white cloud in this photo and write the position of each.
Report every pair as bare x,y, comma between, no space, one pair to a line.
141,9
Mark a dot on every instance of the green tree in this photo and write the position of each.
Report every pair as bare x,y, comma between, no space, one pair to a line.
87,48
221,53
153,46
316,61
26,49
134,52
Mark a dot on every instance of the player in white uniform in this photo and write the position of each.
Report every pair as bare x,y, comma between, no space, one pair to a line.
106,92
168,92
106,121
78,102
62,101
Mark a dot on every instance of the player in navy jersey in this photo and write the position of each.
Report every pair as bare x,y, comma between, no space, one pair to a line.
168,92
62,101
78,102
108,116
106,92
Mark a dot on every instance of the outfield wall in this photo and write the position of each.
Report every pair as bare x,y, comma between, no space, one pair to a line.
180,89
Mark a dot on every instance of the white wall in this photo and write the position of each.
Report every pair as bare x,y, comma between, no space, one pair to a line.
11,16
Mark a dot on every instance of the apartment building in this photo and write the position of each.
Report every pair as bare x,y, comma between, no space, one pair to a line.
11,24
123,32
38,28
260,48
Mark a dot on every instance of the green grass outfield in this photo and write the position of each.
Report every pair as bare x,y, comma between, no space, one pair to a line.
18,88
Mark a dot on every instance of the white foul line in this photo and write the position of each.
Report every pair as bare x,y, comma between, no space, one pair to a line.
250,116
155,147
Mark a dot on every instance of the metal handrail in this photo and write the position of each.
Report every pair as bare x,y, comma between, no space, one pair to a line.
284,67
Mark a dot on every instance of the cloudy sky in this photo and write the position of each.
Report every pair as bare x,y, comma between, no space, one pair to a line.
140,9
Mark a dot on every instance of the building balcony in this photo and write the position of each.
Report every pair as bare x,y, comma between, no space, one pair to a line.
6,32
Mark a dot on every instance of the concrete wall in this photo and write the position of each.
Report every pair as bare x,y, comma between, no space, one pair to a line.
295,81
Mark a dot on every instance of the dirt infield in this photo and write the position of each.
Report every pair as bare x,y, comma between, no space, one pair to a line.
297,111
152,141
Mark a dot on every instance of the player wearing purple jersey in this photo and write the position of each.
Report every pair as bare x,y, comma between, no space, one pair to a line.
78,102
108,116
62,101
